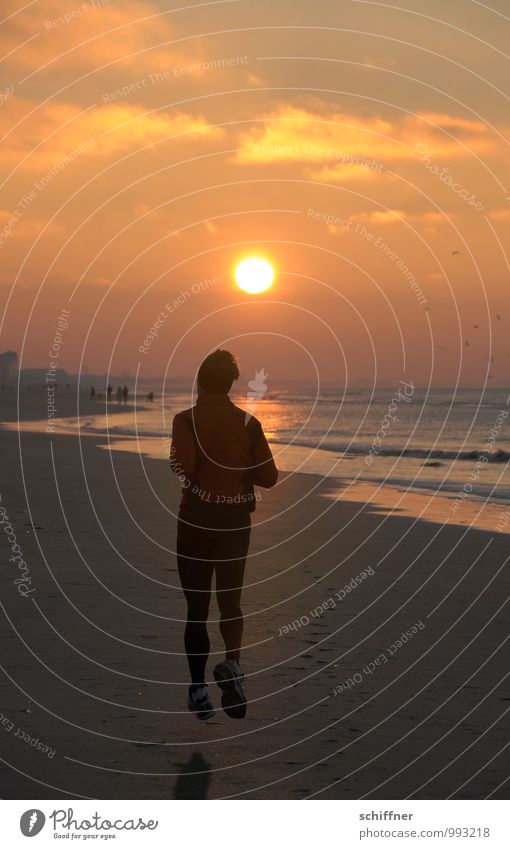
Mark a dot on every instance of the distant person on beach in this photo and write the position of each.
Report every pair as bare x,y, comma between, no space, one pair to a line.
119,394
109,390
92,393
125,394
219,452
150,396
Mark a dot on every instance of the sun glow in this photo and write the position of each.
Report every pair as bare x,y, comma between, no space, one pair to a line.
254,275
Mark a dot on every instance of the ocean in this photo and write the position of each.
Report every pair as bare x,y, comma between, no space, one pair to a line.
456,443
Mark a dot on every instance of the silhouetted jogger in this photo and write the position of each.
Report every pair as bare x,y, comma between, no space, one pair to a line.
219,452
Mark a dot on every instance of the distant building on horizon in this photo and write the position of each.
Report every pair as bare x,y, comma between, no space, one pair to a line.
38,375
8,365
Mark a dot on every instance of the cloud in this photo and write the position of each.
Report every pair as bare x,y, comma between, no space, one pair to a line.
100,281
396,216
387,216
499,214
81,36
354,145
380,62
211,227
294,134
24,227
384,216
341,173
49,134
393,216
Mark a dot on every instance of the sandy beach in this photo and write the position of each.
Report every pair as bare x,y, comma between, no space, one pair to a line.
375,642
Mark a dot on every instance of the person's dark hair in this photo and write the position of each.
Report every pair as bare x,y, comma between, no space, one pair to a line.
218,372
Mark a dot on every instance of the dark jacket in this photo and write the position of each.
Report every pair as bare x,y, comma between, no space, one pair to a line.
219,453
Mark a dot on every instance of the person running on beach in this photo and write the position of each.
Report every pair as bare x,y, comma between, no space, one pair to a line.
219,453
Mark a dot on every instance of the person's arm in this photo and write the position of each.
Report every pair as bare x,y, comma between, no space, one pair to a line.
183,455
264,472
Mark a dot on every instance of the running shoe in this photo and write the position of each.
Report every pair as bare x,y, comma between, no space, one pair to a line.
229,677
200,703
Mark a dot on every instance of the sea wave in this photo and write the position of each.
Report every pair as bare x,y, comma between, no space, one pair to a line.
348,449
451,490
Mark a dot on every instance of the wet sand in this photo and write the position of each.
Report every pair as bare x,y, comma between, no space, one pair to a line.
341,704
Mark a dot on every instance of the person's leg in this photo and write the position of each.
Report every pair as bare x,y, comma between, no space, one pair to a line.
195,573
230,554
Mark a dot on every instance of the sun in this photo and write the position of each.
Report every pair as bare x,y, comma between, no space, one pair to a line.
254,275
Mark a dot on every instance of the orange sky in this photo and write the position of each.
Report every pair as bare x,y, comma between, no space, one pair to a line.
361,147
